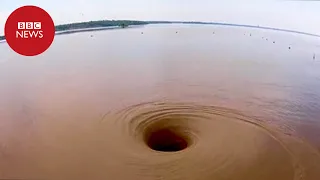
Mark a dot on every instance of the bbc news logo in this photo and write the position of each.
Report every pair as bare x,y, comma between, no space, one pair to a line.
29,30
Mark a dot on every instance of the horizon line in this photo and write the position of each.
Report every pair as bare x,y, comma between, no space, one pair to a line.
204,23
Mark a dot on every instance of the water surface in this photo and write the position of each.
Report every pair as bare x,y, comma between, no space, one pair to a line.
246,102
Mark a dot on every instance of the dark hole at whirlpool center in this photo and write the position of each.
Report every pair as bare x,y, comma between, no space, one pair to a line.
166,140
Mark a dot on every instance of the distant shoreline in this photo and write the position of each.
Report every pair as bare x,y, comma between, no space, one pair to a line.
238,25
120,24
85,30
93,29
92,26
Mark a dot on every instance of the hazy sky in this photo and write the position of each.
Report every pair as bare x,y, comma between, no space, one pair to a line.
295,15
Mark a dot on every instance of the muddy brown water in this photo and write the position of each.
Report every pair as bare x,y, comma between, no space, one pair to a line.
163,105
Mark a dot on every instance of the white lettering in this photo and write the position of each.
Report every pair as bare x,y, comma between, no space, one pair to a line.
33,34
21,25
40,34
29,25
19,34
25,34
37,25
29,34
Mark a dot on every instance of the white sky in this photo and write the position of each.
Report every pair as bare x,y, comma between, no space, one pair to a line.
294,15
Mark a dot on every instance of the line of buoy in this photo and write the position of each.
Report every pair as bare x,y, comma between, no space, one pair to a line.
314,55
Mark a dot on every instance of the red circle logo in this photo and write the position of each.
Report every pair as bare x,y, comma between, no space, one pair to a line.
29,30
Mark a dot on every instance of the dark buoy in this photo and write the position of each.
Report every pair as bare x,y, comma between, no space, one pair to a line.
176,32
274,42
141,32
314,56
91,36
289,47
250,34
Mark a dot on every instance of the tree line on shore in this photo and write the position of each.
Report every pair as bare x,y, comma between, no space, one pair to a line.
95,24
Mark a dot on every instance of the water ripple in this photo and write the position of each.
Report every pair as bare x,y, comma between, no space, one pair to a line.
190,141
